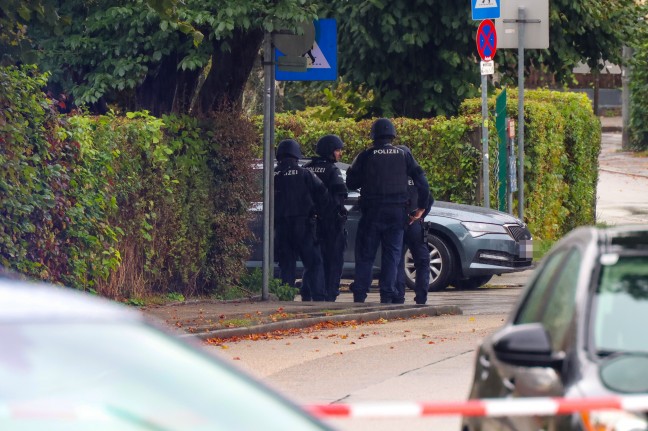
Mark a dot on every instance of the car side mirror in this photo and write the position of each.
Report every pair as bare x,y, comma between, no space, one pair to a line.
526,345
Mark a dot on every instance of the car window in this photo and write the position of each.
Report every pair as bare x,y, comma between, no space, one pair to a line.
620,306
533,304
560,309
551,299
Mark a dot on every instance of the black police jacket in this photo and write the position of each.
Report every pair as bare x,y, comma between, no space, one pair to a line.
413,202
331,176
381,173
298,192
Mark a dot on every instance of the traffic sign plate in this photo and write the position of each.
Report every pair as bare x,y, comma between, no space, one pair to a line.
486,40
321,59
485,9
487,67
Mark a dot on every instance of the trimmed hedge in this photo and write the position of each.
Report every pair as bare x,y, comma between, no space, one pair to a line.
562,143
130,206
124,206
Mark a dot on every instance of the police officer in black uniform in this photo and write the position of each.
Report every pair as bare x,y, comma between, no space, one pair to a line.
331,232
381,174
414,239
299,196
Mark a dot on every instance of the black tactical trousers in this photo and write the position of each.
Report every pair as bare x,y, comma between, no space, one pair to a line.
333,239
295,240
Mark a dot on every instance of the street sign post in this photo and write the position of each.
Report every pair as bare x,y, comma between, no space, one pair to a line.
524,25
320,59
502,159
485,9
486,40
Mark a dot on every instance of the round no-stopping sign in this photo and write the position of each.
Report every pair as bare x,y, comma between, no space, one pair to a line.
486,40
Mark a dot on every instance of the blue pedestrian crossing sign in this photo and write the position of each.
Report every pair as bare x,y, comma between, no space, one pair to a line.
485,9
321,58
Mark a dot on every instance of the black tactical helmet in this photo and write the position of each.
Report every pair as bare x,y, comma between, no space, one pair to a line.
383,128
327,144
288,148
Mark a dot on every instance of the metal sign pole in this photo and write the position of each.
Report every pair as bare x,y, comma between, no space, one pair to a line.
521,23
485,163
268,165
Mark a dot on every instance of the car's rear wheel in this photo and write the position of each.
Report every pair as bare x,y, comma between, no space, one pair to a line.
472,282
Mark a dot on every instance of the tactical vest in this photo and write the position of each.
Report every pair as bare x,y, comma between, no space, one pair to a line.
334,182
323,169
292,196
412,192
385,175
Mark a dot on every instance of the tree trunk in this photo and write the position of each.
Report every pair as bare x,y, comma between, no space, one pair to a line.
169,90
230,70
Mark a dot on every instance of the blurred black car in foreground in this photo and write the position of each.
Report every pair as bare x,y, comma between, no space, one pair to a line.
468,244
578,331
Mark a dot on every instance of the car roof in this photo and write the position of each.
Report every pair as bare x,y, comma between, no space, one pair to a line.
626,237
26,301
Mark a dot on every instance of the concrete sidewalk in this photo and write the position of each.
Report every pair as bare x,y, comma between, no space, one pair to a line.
621,198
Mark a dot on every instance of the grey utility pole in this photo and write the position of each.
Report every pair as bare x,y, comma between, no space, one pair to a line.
625,97
485,161
521,23
516,15
268,164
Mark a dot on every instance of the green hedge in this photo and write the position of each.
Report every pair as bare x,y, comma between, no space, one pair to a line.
127,205
562,143
134,205
53,221
638,127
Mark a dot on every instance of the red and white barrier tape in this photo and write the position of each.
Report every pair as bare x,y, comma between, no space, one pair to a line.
485,407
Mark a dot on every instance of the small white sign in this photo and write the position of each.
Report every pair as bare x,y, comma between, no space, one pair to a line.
487,67
485,3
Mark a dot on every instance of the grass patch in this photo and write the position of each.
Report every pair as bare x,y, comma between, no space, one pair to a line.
237,323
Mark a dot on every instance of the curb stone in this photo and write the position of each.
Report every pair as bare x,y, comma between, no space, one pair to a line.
403,312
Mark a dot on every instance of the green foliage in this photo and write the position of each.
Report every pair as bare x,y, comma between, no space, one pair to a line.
53,209
330,103
137,302
638,127
419,57
252,281
639,105
15,17
175,297
124,206
562,142
150,54
444,147
283,291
